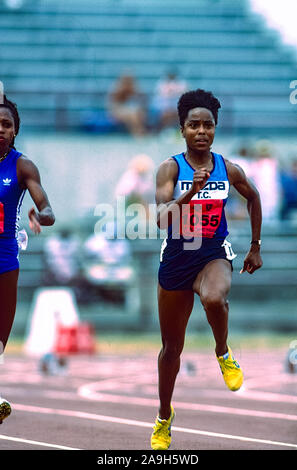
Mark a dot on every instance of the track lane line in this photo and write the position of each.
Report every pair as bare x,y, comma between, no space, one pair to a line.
131,422
38,443
88,391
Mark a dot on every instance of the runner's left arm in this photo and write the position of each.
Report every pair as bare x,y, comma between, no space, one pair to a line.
29,178
246,188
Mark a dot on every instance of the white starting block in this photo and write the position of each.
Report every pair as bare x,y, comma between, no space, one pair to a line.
50,307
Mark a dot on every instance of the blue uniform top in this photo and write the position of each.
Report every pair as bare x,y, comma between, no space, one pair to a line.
206,215
11,196
199,230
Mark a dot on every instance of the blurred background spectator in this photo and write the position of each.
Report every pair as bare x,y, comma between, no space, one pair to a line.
165,98
107,266
242,156
62,258
260,164
288,178
136,183
127,105
264,172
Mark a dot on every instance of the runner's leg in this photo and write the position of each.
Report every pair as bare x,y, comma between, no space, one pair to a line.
212,284
175,308
8,298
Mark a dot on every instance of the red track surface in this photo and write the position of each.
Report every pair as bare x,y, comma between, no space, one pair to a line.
110,402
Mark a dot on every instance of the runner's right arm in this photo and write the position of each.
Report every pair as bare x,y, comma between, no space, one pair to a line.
165,182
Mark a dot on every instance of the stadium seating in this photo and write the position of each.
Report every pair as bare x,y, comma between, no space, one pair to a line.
59,59
255,300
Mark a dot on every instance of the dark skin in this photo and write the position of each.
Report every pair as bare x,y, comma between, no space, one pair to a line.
28,178
213,283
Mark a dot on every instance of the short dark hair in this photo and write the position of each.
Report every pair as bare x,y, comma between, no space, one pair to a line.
197,99
15,114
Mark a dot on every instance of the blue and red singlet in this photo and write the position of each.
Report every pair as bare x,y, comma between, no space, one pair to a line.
200,235
11,198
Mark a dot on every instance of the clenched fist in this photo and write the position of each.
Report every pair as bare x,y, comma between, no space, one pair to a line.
199,179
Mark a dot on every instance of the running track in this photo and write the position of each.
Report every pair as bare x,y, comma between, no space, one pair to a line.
107,402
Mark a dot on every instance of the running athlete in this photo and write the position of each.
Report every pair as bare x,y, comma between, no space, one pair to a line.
17,173
195,257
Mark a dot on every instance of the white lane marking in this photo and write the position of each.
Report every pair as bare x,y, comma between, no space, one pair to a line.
88,391
246,394
230,436
131,422
38,443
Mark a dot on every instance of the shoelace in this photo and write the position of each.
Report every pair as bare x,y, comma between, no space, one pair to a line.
230,364
162,429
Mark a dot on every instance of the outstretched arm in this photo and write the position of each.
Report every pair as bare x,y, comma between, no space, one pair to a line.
246,188
29,178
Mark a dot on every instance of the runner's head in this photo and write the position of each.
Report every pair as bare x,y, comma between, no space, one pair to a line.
8,110
197,99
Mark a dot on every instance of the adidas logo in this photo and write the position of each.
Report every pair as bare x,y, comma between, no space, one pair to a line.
6,181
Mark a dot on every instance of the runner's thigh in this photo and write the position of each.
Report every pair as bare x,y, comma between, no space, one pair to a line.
214,279
8,298
175,308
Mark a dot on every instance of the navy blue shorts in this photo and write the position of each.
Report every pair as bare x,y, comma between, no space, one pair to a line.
179,268
9,255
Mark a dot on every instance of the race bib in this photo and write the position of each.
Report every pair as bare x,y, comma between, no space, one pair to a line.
201,218
1,217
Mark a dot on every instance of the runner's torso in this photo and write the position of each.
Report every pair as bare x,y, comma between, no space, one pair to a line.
209,220
11,196
199,236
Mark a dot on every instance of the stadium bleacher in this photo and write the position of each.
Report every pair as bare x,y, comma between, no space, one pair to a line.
59,59
266,299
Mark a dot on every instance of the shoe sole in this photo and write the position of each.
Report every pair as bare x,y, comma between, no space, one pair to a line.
236,387
5,410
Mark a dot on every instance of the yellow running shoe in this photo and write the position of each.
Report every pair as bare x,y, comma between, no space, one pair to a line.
161,437
5,409
232,373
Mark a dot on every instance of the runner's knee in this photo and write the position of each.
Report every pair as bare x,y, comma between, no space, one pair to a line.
214,301
171,350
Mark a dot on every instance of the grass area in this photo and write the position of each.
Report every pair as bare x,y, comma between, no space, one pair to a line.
127,343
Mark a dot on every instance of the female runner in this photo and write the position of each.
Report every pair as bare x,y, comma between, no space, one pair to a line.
196,258
17,174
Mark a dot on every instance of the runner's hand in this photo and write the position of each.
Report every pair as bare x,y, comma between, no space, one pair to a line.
33,221
252,262
199,179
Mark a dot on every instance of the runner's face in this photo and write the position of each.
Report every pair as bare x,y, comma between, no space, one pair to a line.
199,129
7,129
